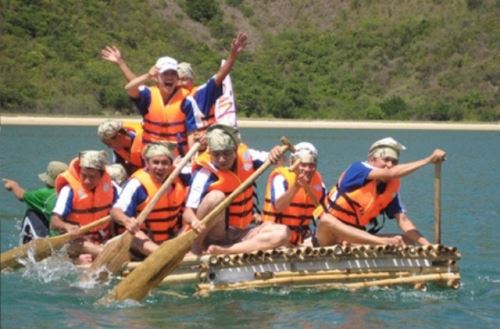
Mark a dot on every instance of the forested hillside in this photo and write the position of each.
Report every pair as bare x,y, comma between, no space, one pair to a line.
358,59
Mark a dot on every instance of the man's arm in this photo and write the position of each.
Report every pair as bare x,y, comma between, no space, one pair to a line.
113,54
237,45
133,86
57,223
405,169
14,187
409,229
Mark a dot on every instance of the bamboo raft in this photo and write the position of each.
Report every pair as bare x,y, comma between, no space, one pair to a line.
335,267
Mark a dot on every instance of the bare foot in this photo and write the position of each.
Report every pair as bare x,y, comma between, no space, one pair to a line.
216,250
395,240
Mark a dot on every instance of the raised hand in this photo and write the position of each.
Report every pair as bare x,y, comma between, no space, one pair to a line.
239,43
112,54
438,156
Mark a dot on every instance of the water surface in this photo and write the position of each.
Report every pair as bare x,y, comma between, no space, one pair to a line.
49,295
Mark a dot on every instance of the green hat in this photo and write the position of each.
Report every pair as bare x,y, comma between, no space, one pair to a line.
53,170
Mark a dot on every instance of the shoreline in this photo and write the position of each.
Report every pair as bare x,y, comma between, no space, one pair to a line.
31,120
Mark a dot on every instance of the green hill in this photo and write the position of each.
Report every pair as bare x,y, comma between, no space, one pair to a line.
358,59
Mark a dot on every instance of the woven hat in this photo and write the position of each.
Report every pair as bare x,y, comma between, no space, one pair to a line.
93,159
186,71
108,129
160,148
223,137
53,170
117,173
386,147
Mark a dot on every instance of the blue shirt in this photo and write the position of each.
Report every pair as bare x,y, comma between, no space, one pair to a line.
64,203
356,176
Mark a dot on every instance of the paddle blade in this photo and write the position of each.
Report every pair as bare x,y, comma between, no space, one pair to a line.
113,257
152,271
40,248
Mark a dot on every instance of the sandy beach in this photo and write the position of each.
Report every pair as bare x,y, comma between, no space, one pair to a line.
263,123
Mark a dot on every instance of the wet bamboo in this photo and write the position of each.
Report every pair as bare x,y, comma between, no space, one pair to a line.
42,248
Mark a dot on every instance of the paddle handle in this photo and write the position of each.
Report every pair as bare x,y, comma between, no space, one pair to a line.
173,175
43,247
208,219
437,203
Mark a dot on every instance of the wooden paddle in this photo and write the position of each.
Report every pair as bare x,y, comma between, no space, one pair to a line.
171,252
437,203
116,251
43,247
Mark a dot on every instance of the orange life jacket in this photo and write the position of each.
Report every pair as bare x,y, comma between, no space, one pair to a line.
133,155
164,221
362,205
166,121
240,212
298,215
88,206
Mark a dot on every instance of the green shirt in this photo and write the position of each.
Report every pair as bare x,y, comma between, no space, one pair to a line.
42,200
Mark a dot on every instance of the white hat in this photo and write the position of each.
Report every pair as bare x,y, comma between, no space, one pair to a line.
305,152
386,147
166,63
306,146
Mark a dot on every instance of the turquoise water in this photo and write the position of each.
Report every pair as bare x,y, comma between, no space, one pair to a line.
49,295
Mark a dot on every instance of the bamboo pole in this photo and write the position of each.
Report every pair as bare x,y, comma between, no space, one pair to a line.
300,281
42,248
437,202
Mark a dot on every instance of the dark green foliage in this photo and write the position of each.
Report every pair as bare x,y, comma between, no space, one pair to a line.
426,60
202,10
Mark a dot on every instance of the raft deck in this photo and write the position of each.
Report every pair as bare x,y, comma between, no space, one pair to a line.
335,267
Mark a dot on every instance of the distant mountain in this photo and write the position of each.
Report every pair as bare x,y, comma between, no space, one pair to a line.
358,59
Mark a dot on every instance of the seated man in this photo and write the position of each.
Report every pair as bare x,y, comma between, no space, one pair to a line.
125,139
217,173
368,189
165,220
85,194
293,192
40,202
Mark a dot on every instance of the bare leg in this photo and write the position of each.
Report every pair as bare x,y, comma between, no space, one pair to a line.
209,202
265,236
331,231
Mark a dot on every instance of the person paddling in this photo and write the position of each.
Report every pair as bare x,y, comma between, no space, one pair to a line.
40,202
165,220
217,173
369,189
85,194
